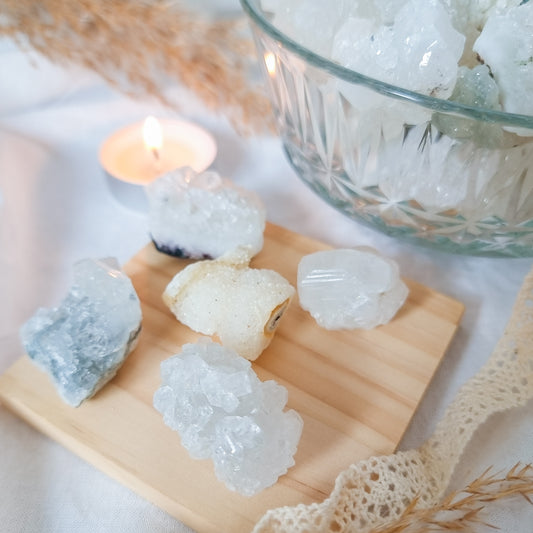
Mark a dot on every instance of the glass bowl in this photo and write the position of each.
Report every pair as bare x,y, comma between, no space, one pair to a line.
436,172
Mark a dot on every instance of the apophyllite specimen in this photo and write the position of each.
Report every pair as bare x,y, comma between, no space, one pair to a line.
223,412
350,288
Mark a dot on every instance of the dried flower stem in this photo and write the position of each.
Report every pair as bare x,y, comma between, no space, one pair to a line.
461,510
140,46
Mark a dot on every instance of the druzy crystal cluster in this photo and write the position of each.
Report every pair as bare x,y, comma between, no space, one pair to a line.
83,342
203,215
223,412
350,288
242,305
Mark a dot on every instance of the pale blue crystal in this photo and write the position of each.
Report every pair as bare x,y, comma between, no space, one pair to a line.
83,342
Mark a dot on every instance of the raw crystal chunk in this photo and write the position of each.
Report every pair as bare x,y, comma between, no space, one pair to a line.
506,46
469,17
223,412
203,215
82,343
225,297
419,52
350,288
312,24
473,14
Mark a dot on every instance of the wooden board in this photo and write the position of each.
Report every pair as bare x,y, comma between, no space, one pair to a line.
356,392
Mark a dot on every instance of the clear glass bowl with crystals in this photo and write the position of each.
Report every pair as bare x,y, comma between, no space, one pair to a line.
435,171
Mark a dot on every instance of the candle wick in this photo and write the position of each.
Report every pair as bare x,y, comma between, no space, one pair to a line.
155,153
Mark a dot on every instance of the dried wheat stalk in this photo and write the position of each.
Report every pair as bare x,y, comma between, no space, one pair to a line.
141,46
462,510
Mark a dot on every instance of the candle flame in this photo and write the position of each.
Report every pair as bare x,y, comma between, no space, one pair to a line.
152,134
270,62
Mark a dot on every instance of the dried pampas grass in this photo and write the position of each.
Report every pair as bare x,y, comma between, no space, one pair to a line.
463,510
141,46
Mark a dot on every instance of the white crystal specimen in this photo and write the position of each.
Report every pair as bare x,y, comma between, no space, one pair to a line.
506,46
82,343
469,17
223,412
350,288
419,53
203,215
311,24
382,11
226,297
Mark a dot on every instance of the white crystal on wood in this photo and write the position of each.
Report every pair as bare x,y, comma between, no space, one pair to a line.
350,288
223,412
83,342
226,297
203,215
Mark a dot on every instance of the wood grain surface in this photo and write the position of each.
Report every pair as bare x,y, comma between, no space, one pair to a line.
355,390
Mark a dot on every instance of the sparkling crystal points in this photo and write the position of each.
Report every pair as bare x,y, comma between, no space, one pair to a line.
222,411
82,343
350,288
419,53
203,215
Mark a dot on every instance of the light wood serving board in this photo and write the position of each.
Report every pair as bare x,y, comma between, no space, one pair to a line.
355,390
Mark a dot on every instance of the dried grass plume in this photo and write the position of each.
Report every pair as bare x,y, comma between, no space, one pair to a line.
141,46
463,510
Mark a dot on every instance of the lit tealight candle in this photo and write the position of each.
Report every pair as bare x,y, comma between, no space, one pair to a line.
137,154
141,152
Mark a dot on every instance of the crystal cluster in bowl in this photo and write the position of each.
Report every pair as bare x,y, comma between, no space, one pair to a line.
413,116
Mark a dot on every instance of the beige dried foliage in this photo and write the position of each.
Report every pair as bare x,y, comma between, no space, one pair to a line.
140,47
463,510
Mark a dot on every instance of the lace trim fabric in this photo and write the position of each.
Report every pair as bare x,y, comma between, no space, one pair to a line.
376,491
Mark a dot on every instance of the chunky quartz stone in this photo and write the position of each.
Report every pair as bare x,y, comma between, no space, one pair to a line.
203,215
350,288
506,46
83,342
419,53
223,412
